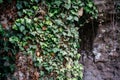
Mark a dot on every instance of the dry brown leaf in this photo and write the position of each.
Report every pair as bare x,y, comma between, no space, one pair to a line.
44,28
80,12
38,54
4,25
42,12
36,75
53,54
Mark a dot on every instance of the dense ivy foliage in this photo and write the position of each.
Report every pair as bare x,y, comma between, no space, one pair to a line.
7,52
48,31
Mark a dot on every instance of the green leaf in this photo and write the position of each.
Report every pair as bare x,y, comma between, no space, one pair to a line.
15,27
56,50
33,46
14,39
73,12
1,1
70,17
20,13
22,28
76,18
1,29
67,6
19,6
48,22
90,4
57,2
59,22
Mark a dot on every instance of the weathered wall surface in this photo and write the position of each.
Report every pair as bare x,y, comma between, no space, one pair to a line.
101,50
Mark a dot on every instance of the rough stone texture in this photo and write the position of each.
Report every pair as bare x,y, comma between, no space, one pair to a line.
102,62
100,49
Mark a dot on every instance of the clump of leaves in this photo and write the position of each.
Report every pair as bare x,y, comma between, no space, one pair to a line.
50,35
7,56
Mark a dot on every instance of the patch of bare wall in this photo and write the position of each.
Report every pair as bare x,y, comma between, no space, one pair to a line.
100,46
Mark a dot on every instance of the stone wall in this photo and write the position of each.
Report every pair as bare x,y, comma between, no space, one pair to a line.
101,50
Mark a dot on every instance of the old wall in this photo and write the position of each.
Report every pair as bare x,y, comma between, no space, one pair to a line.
101,50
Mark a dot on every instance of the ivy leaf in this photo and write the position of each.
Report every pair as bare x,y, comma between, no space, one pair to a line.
37,1
14,39
70,17
73,12
59,22
67,6
90,4
33,46
48,22
76,18
1,29
19,6
68,66
63,15
57,2
15,27
56,50
20,13
22,28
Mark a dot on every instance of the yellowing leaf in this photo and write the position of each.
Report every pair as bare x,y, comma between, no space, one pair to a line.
68,65
53,54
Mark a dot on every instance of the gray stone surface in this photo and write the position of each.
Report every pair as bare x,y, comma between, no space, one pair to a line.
100,50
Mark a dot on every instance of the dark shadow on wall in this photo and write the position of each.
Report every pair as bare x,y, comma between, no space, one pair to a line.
87,33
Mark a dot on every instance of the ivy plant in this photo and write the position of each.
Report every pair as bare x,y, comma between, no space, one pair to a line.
47,31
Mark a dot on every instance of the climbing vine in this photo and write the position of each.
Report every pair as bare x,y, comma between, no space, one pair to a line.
47,31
